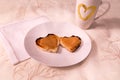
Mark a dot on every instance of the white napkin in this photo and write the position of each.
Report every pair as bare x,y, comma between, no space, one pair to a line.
13,36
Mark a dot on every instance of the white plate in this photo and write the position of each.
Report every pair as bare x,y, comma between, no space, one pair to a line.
63,57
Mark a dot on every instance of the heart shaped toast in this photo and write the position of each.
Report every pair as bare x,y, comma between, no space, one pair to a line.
49,43
70,43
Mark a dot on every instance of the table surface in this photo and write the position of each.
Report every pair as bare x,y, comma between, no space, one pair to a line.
103,63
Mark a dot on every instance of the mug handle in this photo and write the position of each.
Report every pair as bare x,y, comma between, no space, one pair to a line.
104,2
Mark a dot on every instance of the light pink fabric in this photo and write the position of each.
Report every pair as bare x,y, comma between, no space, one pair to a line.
103,63
13,36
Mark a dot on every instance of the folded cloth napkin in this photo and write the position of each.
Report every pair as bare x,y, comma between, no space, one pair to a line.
13,36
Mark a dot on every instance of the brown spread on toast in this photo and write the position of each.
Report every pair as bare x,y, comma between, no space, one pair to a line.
51,43
70,43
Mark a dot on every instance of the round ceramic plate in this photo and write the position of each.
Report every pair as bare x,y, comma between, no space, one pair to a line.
63,57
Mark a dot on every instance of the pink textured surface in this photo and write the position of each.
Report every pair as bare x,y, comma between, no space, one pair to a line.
12,37
103,63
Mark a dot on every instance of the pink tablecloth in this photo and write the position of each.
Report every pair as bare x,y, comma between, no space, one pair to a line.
103,63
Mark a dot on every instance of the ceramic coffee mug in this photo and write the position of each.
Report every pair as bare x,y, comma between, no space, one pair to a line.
86,11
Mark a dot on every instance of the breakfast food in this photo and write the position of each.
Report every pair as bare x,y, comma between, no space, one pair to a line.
49,43
70,43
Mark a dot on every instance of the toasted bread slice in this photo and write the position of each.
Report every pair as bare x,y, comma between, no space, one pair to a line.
70,43
49,43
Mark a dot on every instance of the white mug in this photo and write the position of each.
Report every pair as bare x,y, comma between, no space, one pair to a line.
86,12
